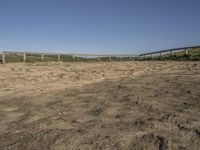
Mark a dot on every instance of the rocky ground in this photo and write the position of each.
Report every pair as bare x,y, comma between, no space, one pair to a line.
100,105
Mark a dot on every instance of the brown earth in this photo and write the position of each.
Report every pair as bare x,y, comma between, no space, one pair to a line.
102,105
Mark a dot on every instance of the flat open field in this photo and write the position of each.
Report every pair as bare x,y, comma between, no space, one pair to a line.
100,105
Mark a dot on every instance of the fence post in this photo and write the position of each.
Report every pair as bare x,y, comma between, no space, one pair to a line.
24,57
3,58
98,58
58,57
130,58
110,58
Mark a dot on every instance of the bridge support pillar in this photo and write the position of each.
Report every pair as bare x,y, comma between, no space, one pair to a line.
24,57
186,51
3,58
58,57
42,56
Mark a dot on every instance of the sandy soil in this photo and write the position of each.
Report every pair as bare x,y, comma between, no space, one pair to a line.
103,105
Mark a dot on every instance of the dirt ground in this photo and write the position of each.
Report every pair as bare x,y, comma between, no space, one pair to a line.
100,105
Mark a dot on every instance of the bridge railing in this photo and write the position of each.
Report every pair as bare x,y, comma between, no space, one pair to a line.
168,51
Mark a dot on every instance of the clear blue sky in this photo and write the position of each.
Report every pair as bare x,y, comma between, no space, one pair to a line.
98,26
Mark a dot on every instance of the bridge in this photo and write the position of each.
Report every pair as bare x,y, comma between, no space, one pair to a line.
168,51
98,56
